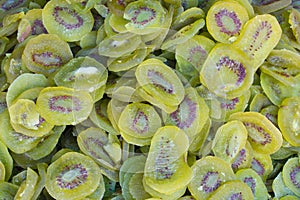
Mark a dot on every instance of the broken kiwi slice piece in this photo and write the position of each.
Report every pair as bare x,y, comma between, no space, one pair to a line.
69,22
72,176
225,19
28,186
64,106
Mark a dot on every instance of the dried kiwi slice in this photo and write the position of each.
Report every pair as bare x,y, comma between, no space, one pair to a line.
160,81
263,136
279,187
209,173
72,176
254,181
262,164
187,17
294,19
229,140
64,106
290,173
225,19
244,158
258,37
68,22
8,190
6,160
46,53
28,186
227,72
288,120
166,170
144,16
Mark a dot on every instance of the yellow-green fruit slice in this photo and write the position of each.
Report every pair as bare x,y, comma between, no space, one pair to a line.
294,19
229,140
6,160
136,187
290,173
64,106
42,170
279,187
166,170
263,136
262,164
27,188
187,17
8,190
199,139
69,22
233,190
209,174
289,120
225,19
160,81
259,101
2,171
72,176
258,37
46,53
244,158
227,72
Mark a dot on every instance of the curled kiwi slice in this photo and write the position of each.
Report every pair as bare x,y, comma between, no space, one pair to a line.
258,37
259,101
46,53
69,22
254,181
187,17
263,136
294,19
166,170
227,72
229,140
262,164
72,176
160,81
28,186
196,144
144,16
209,174
64,106
279,187
290,174
225,19
6,160
8,190
288,120
244,158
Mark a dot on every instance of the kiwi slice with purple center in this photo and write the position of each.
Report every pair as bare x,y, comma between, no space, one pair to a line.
67,21
279,187
290,174
244,158
262,165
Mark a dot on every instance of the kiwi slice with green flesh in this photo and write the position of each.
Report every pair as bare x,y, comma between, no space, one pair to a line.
144,16
6,160
42,171
258,37
160,81
183,35
139,120
227,72
262,164
72,176
165,163
290,175
99,116
271,112
191,114
262,7
288,120
83,73
233,190
47,145
119,45
88,40
8,190
135,140
23,83
64,106
117,23
31,24
186,198
28,186
2,171
126,94
244,158
136,188
254,181
263,135
196,144
42,55
225,20
279,187
191,56
209,173
3,105
67,21
187,17
259,102
229,140
99,192
289,197
95,143
294,19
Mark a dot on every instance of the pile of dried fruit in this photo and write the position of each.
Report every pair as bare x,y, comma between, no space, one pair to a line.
149,99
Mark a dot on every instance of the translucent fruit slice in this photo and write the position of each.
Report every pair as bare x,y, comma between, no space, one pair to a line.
166,170
8,190
69,22
229,140
28,186
254,181
209,174
160,81
198,141
46,53
64,106
259,101
232,190
244,158
187,17
279,187
263,136
227,72
258,37
294,19
262,165
225,19
289,120
290,173
72,176
6,160
144,16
